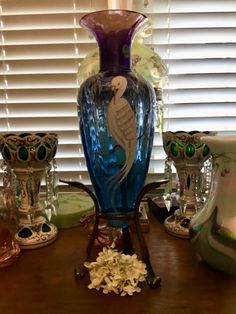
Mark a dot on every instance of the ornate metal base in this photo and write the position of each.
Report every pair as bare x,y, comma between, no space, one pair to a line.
36,235
178,225
152,280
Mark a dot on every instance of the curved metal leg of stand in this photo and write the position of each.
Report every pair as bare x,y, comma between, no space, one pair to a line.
152,280
81,271
127,241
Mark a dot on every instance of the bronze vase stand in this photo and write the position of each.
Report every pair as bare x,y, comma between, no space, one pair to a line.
152,280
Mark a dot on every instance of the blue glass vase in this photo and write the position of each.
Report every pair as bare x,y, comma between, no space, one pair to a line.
116,110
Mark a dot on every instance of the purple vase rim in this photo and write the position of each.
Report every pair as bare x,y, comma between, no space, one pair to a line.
142,16
114,31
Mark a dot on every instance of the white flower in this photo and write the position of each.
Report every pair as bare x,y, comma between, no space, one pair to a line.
116,272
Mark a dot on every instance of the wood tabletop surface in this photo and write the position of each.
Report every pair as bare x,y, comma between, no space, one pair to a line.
42,281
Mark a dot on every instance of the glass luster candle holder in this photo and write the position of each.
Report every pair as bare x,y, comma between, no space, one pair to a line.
28,157
188,153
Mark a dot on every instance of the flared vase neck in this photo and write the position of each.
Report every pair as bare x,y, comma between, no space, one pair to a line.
114,30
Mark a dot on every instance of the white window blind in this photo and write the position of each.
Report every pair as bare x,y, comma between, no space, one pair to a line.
197,41
42,45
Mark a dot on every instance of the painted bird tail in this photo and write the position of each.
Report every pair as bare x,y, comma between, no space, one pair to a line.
114,183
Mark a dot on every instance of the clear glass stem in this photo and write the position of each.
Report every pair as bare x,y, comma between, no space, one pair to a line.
189,179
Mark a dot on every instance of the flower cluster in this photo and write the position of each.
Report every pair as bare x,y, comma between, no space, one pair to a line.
116,272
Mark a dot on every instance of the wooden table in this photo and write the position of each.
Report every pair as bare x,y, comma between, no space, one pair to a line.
42,281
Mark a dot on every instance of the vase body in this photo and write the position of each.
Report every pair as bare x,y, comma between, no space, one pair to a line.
116,114
28,156
188,153
213,229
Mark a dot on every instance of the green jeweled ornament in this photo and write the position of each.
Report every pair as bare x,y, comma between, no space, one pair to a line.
206,150
174,149
23,153
190,150
41,152
6,153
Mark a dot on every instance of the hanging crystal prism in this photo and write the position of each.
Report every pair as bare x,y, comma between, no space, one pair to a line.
51,198
168,185
159,108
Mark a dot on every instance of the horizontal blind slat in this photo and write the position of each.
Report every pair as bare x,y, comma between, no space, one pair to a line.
34,124
203,124
40,110
15,7
191,81
193,20
41,81
46,37
201,110
41,52
40,95
193,36
27,67
41,21
204,66
196,51
200,95
185,6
